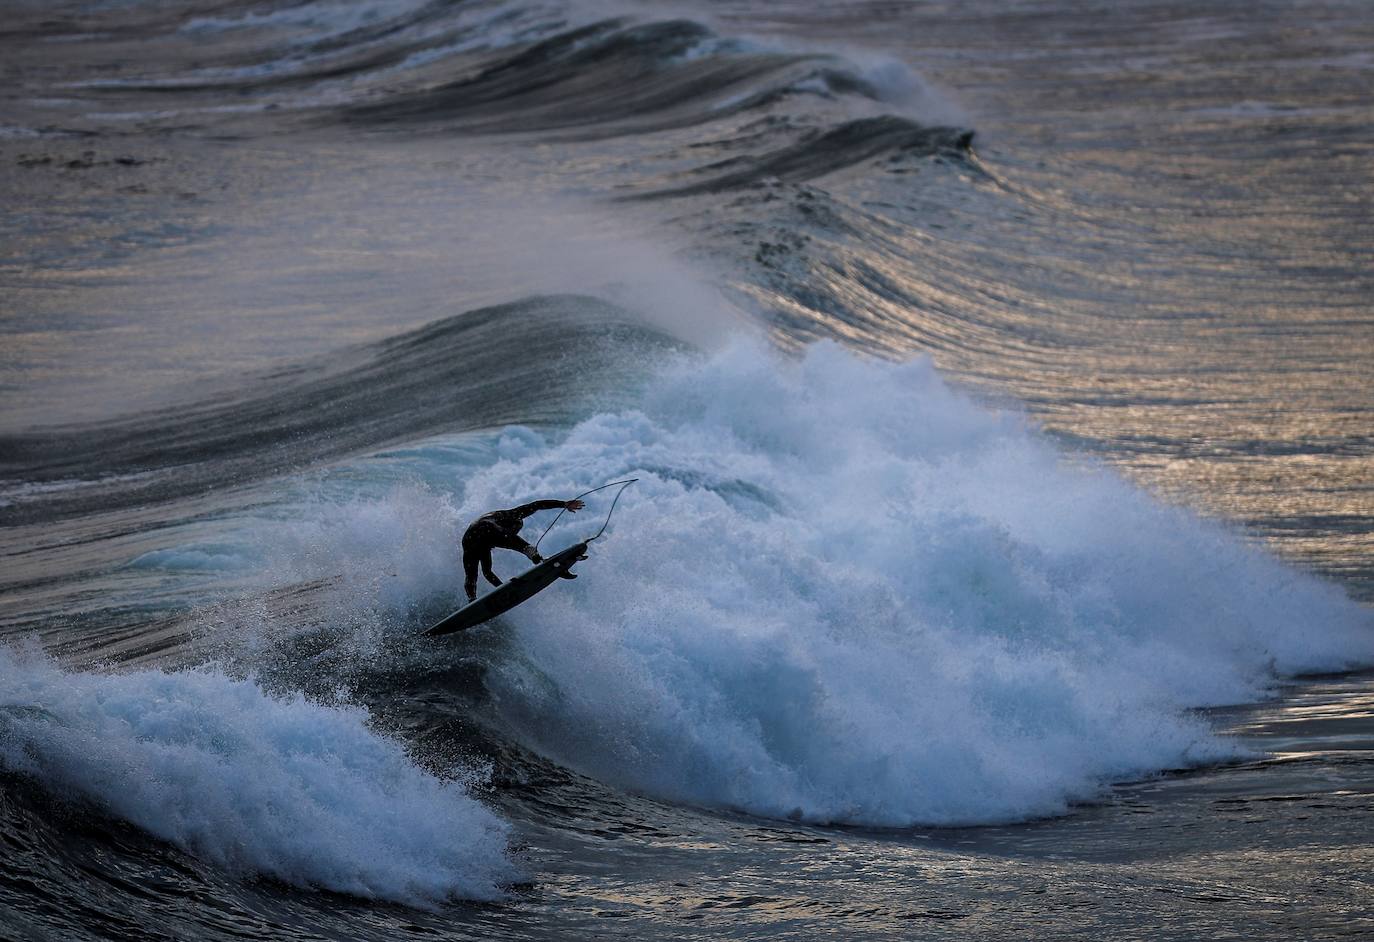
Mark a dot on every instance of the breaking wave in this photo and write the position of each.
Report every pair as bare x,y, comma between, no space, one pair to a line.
285,788
841,591
844,592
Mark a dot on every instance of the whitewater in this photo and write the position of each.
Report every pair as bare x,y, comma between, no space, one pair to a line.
843,593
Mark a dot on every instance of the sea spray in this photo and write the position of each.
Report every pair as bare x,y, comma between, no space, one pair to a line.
294,790
843,591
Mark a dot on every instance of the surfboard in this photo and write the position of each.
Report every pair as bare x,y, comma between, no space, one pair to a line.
511,593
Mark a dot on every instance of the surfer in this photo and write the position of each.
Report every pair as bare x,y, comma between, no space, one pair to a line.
501,529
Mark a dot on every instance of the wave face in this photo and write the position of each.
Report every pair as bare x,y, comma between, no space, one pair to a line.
484,368
285,788
616,78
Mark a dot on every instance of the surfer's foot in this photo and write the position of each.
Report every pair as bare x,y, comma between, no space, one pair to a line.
535,557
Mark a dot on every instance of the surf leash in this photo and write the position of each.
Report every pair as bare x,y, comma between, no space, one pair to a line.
623,484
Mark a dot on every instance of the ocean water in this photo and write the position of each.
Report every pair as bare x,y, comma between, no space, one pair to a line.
996,377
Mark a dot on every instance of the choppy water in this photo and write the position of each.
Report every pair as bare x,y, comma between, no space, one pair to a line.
997,381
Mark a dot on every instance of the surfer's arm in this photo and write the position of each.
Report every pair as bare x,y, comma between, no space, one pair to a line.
524,510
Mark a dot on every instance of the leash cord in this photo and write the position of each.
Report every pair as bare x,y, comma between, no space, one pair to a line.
623,485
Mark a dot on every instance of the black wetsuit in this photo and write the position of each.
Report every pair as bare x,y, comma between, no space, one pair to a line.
498,529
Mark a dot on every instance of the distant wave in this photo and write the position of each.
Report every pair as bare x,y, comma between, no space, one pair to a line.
819,153
493,69
329,43
613,78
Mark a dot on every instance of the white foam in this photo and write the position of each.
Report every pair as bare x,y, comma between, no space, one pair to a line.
844,592
291,789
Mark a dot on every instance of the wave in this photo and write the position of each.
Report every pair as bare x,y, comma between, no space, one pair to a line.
495,68
842,592
319,45
820,153
613,78
285,788
481,369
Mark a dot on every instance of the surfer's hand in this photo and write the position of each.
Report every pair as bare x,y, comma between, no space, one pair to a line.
573,506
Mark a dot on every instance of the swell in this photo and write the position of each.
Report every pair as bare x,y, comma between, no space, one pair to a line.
818,153
512,69
494,366
610,78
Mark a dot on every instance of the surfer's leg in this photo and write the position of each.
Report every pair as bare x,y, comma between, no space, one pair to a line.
520,546
470,573
486,568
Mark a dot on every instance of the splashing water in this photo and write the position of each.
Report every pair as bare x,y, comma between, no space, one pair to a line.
286,788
